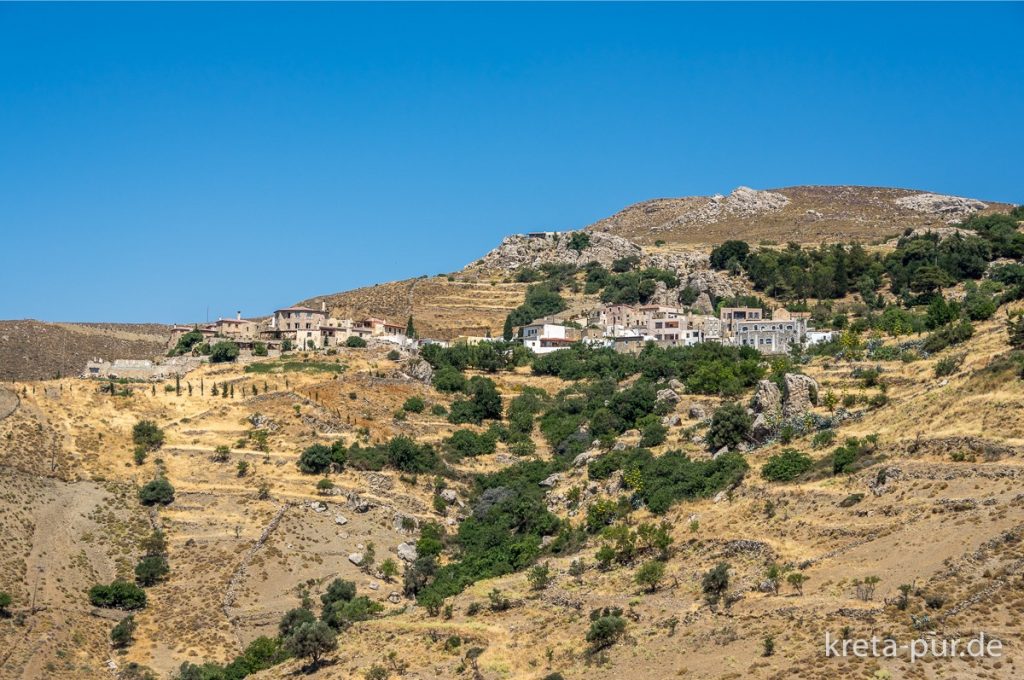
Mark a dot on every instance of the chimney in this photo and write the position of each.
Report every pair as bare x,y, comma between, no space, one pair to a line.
238,315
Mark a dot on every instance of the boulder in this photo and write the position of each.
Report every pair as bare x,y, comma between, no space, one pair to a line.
373,585
801,394
394,597
668,395
551,481
677,386
448,495
768,399
356,558
418,369
761,429
697,411
671,420
340,520
703,304
722,451
407,552
585,457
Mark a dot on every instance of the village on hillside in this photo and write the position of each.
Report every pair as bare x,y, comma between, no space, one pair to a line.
625,328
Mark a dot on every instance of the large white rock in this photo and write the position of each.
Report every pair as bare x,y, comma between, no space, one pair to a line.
356,558
407,552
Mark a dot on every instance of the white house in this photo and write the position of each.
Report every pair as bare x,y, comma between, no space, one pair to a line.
543,338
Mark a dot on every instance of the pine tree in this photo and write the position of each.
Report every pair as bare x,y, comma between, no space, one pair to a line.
507,331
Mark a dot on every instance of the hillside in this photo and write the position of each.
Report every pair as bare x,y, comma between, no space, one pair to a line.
36,350
948,519
804,214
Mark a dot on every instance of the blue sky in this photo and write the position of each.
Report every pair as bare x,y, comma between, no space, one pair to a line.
157,160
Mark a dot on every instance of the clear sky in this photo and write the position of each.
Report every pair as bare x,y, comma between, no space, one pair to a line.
159,159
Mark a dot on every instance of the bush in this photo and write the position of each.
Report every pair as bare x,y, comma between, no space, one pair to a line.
953,334
653,434
730,425
948,365
715,582
118,595
667,479
121,635
355,341
157,492
312,640
320,458
406,455
464,443
579,241
448,379
823,438
294,618
650,575
786,466
259,349
394,355
484,403
147,435
223,351
605,631
414,405
151,570
5,604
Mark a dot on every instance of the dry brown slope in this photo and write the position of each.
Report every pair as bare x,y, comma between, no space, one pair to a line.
812,214
441,308
38,350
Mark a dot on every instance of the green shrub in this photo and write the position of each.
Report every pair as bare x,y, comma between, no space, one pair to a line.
464,443
414,404
320,458
118,595
157,492
953,334
448,379
948,365
653,434
715,582
730,425
121,635
147,435
223,351
151,570
786,466
355,341
605,631
823,438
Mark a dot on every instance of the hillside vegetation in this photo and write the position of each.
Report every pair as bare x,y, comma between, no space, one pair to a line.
479,512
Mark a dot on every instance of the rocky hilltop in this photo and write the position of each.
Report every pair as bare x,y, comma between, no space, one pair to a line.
802,213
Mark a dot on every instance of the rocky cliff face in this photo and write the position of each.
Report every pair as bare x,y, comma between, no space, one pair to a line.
524,250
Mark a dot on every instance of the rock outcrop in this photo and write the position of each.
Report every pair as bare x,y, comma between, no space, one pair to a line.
767,399
801,394
952,208
526,250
